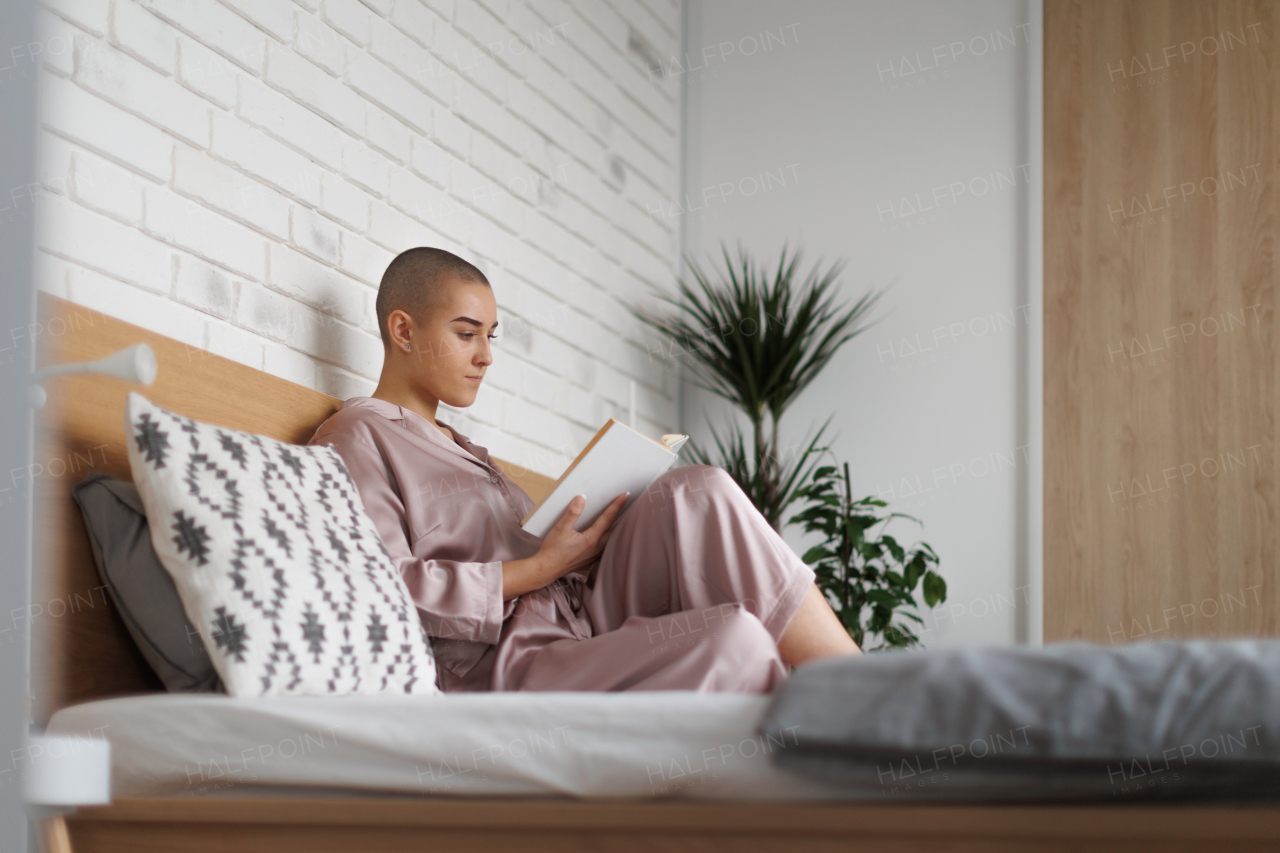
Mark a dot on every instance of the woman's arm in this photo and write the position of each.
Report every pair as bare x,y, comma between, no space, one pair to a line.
563,550
460,599
456,599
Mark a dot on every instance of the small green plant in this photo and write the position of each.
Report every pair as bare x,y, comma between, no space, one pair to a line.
869,579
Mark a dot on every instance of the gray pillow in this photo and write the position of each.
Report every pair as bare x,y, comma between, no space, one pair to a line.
142,590
1070,721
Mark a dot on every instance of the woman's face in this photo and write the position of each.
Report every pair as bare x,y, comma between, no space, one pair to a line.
451,348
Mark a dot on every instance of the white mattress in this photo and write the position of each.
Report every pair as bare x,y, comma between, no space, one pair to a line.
668,744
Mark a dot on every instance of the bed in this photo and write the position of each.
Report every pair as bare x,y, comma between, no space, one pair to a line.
615,771
636,745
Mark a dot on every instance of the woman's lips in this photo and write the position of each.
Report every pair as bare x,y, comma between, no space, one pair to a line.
475,379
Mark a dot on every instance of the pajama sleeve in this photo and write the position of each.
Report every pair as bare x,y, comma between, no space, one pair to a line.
456,600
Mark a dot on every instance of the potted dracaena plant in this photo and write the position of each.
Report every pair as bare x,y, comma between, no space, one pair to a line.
757,336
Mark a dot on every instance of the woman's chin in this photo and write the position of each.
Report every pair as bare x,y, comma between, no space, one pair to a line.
462,398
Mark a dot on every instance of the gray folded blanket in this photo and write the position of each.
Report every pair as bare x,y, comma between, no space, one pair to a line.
1066,722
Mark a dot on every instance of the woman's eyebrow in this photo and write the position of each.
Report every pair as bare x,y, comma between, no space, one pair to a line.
475,323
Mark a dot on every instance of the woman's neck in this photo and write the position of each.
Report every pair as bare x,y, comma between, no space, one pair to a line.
405,397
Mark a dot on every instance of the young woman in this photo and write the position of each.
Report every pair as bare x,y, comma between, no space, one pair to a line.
690,590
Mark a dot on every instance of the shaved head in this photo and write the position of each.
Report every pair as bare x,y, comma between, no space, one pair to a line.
415,280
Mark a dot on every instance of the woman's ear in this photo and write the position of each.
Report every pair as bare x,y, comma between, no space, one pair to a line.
401,328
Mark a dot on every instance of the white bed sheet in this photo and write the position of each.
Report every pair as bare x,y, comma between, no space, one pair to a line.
663,744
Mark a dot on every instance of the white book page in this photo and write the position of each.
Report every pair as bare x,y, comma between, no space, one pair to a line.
622,460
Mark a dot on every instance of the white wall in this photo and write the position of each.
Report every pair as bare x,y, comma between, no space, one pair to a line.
237,175
880,123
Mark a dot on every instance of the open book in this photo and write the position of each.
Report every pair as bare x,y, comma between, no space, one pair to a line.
617,460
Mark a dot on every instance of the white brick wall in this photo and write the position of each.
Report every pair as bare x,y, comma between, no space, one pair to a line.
237,174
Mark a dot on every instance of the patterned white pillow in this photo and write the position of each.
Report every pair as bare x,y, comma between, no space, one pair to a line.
275,561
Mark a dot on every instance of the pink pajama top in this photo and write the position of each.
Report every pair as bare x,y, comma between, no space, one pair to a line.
449,519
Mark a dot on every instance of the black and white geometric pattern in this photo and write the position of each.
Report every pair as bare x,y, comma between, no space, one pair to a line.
275,560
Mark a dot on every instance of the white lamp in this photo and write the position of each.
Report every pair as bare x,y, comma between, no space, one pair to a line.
61,774
65,772
132,364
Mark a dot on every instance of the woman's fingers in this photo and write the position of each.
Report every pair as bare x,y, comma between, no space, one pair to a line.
605,521
570,516
581,548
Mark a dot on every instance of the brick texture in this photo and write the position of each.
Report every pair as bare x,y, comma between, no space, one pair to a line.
238,173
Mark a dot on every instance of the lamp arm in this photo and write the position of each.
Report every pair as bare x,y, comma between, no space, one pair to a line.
132,364
62,370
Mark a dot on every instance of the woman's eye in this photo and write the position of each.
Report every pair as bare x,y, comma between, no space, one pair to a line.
466,336
493,337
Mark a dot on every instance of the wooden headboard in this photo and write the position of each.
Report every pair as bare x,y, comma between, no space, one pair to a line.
81,650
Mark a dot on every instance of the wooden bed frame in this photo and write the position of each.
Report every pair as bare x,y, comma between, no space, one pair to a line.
83,652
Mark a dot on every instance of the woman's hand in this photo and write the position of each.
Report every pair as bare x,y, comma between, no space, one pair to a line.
563,550
570,550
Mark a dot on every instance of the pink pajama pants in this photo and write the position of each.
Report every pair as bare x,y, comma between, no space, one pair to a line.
692,592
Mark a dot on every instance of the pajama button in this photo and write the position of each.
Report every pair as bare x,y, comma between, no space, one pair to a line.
493,478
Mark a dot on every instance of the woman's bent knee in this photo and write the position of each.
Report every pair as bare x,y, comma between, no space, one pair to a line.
692,478
747,645
741,629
